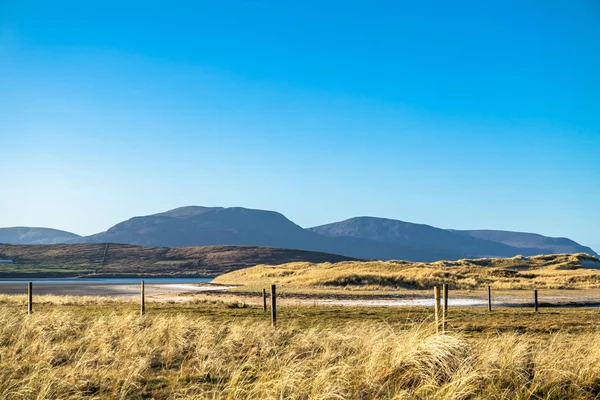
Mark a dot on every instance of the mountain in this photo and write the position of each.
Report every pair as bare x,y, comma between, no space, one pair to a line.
26,235
521,240
417,236
475,243
360,237
207,226
100,259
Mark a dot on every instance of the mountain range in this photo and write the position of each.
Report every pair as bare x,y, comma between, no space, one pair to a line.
360,237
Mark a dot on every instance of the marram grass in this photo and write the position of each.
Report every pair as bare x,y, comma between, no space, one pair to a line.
68,353
554,271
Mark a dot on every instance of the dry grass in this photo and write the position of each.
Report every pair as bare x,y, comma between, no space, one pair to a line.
105,351
561,271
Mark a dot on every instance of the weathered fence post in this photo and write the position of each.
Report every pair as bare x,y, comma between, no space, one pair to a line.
29,297
535,299
273,306
489,298
445,311
264,300
142,305
436,299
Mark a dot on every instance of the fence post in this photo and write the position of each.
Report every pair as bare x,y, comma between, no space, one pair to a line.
436,299
264,300
445,317
489,298
273,306
142,305
535,298
29,297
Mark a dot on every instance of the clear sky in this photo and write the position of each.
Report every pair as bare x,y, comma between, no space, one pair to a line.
461,114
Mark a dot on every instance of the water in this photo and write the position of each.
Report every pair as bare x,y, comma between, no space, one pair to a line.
59,281
401,303
452,302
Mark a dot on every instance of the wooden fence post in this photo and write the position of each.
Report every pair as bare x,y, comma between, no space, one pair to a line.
142,305
436,299
273,306
535,298
264,300
29,297
445,316
489,298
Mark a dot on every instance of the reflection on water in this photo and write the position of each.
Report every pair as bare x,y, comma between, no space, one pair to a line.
406,302
59,281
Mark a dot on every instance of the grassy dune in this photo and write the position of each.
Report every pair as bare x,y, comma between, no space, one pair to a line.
560,271
94,348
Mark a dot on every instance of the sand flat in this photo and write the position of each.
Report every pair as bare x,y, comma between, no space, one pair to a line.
109,289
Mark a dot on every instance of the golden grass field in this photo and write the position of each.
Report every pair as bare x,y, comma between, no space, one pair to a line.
76,347
559,271
222,346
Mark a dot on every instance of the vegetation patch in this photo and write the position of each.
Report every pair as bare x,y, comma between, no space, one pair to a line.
559,271
102,349
102,259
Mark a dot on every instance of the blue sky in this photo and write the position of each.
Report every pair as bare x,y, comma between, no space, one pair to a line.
464,114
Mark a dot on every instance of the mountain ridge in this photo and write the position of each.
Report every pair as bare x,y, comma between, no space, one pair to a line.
527,239
359,237
415,235
208,226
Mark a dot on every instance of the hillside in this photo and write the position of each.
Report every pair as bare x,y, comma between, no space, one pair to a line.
557,271
67,260
27,235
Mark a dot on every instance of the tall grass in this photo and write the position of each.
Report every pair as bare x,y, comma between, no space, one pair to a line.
61,353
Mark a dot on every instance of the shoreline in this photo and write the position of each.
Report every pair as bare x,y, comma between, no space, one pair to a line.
184,292
68,275
107,289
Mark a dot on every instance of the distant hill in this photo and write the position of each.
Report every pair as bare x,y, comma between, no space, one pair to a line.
521,240
360,237
69,260
208,226
485,243
26,235
418,236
